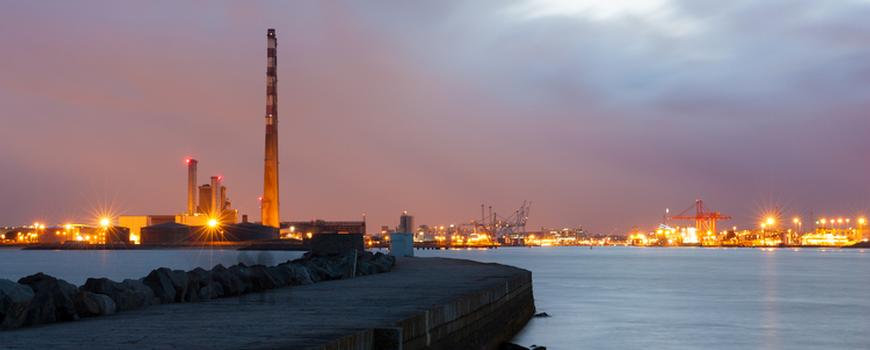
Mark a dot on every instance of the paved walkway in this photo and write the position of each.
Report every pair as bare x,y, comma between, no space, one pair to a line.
290,318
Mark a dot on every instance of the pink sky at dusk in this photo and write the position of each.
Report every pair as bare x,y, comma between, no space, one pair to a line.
600,114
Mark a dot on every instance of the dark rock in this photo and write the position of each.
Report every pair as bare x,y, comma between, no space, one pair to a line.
383,262
299,274
537,347
542,314
137,295
229,282
512,346
160,283
212,290
364,265
41,310
280,275
61,294
128,295
261,280
168,285
243,274
15,300
326,269
199,277
179,281
196,280
92,304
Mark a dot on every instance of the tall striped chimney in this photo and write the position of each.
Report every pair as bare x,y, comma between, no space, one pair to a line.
270,173
191,186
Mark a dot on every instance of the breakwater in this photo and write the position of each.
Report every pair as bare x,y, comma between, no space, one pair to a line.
422,303
41,299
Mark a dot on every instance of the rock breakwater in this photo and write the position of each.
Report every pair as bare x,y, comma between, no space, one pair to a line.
41,299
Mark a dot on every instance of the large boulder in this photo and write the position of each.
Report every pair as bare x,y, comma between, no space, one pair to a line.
160,283
230,284
299,275
260,278
196,280
92,304
280,275
212,290
168,285
127,295
322,268
54,296
365,265
383,262
243,274
137,295
14,302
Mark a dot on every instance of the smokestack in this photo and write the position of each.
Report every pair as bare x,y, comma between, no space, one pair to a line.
215,196
191,186
269,203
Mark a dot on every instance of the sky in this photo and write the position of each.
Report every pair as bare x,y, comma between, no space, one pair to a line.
602,113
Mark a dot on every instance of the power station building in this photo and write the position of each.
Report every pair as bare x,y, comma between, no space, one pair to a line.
209,215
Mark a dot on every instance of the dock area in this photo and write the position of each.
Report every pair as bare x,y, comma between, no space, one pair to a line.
424,303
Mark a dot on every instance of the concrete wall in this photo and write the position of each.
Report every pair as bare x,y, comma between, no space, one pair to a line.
480,320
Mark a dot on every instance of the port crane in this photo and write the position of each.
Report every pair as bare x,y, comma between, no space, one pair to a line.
705,219
499,226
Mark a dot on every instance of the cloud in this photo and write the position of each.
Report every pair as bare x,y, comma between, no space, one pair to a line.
601,113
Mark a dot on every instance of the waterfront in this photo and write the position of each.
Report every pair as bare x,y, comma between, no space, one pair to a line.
609,297
692,298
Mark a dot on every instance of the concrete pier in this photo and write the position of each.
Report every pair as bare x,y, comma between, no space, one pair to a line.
423,303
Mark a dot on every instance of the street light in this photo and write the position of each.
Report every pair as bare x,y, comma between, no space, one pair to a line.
105,222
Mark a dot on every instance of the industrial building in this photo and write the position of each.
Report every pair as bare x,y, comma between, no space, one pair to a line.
173,233
104,234
135,223
307,229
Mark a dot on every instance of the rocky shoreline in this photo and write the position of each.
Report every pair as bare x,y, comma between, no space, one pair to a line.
42,299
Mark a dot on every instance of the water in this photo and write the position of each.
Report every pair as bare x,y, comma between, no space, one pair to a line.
692,298
76,266
608,298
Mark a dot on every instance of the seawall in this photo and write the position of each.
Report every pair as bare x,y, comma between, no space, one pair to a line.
423,303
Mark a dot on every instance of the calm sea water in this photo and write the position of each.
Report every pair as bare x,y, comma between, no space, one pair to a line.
609,298
692,298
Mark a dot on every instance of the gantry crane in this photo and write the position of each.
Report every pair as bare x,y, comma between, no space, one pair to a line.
705,221
498,226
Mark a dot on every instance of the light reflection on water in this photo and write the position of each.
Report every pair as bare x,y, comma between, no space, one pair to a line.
606,298
692,298
75,266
